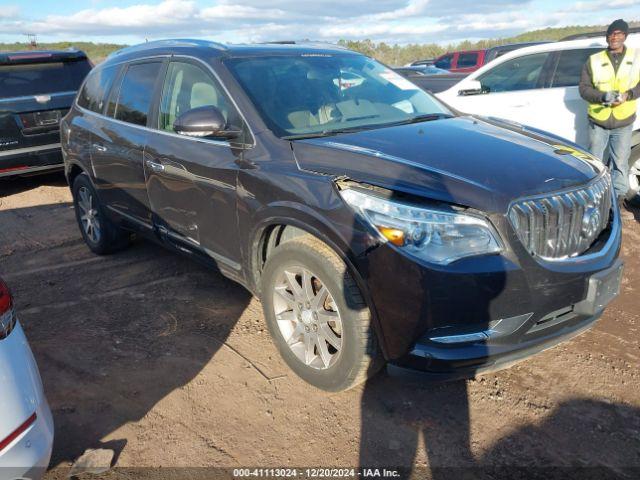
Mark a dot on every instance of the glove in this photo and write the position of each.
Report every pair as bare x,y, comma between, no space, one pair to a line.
608,98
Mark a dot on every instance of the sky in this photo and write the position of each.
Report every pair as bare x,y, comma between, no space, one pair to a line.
239,21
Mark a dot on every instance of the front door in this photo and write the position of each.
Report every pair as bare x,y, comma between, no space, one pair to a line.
191,182
513,91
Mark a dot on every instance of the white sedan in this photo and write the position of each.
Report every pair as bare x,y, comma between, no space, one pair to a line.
538,86
26,425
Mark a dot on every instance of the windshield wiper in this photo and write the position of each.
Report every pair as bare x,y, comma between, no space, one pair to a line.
326,133
423,118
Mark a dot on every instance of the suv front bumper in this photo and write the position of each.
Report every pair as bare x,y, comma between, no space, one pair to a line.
485,313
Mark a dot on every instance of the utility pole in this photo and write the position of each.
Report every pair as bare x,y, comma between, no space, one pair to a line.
32,40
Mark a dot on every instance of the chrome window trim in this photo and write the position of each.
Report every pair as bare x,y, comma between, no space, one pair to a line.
222,143
32,97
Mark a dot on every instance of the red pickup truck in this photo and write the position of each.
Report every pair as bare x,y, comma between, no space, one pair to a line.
470,60
463,62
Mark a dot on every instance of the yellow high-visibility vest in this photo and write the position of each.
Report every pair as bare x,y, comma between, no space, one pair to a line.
605,79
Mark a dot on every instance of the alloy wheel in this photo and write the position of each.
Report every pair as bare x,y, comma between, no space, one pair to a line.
89,216
308,318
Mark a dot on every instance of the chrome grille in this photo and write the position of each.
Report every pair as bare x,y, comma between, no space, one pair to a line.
563,224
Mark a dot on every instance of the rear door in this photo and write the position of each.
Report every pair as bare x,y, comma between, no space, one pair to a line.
35,93
118,142
570,110
77,138
191,181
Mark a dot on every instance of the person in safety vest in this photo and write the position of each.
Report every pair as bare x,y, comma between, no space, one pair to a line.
610,83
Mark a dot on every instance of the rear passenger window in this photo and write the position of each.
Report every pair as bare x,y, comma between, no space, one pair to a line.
569,69
522,73
136,92
188,86
93,95
467,60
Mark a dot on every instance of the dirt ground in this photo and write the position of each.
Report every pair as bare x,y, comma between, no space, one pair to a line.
170,365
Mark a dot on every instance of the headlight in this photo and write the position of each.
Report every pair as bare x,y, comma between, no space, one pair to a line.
433,235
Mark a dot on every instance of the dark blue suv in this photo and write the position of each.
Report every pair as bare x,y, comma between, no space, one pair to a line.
36,90
376,224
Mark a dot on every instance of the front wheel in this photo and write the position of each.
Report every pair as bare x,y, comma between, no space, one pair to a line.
317,317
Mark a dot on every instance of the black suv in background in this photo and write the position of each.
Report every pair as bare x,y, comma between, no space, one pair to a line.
375,224
36,90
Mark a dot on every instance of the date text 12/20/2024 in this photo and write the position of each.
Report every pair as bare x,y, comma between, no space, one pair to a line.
315,473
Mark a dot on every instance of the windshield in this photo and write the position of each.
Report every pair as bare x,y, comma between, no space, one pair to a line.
41,78
324,94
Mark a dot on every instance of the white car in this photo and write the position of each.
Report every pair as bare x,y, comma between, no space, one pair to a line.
537,86
26,425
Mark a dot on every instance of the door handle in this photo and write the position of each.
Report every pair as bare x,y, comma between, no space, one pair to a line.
156,167
100,148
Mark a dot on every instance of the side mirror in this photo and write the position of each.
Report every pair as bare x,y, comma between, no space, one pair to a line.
205,121
471,87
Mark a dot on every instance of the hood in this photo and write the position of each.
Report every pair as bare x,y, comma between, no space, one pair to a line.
462,160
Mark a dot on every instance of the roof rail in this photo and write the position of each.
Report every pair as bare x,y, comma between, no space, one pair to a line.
28,56
169,43
280,42
603,33
304,42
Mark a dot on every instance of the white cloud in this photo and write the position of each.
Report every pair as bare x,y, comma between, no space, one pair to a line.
401,21
600,5
9,12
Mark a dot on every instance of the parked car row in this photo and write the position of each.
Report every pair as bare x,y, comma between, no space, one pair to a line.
37,89
467,61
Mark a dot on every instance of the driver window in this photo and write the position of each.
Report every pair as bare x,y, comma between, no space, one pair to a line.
521,73
188,86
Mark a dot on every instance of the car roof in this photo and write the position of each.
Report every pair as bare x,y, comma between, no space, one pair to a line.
596,34
511,46
463,51
40,56
192,46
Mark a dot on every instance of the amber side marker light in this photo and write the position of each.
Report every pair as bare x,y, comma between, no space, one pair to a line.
17,432
394,235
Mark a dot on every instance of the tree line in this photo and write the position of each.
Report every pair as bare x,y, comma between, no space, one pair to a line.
395,55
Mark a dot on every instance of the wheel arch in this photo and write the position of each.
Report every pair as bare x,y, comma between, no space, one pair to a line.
72,170
284,224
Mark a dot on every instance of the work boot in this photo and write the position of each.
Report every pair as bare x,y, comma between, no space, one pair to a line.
624,205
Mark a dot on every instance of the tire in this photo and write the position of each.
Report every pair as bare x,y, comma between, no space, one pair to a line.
331,344
100,234
633,195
